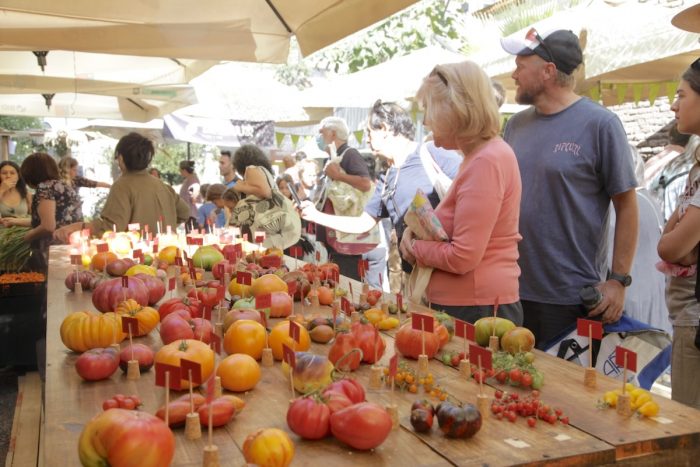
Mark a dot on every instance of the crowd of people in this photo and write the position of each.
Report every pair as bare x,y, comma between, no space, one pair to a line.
527,214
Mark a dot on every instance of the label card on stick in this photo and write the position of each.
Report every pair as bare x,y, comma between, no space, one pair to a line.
130,323
399,301
193,273
190,263
620,353
296,252
178,261
188,365
137,253
263,318
243,278
346,306
133,227
584,325
259,237
292,287
76,260
393,365
362,268
220,293
421,322
476,352
471,332
294,331
206,312
125,282
460,328
199,241
189,240
102,247
288,356
155,248
263,301
162,369
171,284
334,276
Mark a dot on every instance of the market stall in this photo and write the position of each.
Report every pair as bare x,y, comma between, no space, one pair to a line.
591,436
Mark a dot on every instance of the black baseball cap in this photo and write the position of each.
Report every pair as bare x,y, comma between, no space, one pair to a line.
560,47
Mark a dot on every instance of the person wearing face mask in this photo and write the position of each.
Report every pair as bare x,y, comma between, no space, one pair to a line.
136,196
14,197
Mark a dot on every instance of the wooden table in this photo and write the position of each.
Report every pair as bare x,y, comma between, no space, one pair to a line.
593,437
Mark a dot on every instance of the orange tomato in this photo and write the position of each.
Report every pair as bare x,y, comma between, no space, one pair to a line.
234,288
325,294
280,335
147,317
238,372
269,447
245,336
188,349
85,330
168,254
101,260
268,283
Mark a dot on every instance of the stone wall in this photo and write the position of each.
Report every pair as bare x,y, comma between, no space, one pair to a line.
646,125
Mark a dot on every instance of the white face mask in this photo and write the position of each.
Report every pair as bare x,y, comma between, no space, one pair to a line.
320,142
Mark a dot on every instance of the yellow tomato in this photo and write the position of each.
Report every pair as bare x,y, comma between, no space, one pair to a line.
640,400
388,323
610,398
374,315
649,409
141,269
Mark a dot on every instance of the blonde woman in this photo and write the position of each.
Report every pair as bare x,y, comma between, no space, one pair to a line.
68,170
477,266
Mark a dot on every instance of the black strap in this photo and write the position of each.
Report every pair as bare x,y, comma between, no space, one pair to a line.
697,282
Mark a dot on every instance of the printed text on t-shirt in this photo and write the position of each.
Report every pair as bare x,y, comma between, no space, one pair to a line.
568,147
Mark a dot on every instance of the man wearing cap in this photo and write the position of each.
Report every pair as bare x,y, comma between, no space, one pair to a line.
574,160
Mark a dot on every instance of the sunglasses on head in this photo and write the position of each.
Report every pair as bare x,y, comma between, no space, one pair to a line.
439,74
695,65
546,48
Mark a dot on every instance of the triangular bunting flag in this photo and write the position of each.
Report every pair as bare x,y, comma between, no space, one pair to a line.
594,92
621,92
295,140
279,137
359,136
671,88
637,90
654,92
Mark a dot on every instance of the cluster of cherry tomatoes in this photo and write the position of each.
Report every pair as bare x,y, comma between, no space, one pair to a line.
510,406
120,401
407,380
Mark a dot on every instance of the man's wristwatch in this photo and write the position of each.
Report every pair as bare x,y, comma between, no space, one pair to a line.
624,279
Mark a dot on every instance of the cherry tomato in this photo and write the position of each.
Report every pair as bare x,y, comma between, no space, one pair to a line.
498,394
127,404
526,380
558,412
515,375
512,416
110,404
531,422
136,399
564,420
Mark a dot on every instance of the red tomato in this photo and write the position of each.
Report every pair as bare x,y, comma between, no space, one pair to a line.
309,418
361,426
209,296
142,353
123,437
369,341
97,364
336,400
351,388
175,327
223,412
193,306
373,296
128,404
110,404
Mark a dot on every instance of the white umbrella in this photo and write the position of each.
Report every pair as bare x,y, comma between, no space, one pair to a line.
245,30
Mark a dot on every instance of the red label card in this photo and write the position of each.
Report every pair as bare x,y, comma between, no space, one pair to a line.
193,273
171,283
155,248
393,365
206,312
296,252
198,241
220,293
125,282
460,328
399,301
288,356
292,287
422,322
187,258
219,268
230,255
187,366
294,331
134,226
333,275
477,353
270,261
178,261
471,332
621,354
102,247
215,343
244,278
190,263
263,318
334,311
362,268
130,323
259,237
76,260
346,306
584,326
189,240
137,253
263,301
174,371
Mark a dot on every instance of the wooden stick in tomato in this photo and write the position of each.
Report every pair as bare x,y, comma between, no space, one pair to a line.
481,379
167,397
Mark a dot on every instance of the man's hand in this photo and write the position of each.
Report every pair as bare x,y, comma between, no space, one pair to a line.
406,247
63,233
333,170
308,211
612,305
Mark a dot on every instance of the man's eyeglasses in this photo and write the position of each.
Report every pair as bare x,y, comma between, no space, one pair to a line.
439,74
544,45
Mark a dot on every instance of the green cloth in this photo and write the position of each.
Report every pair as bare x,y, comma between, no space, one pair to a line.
140,197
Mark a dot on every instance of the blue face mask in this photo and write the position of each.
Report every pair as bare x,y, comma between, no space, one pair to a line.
320,142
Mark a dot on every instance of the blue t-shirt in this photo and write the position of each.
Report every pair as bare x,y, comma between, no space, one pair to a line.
392,197
206,209
571,164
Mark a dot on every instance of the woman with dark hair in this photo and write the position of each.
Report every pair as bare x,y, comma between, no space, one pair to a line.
136,196
189,190
55,204
262,207
14,197
678,247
